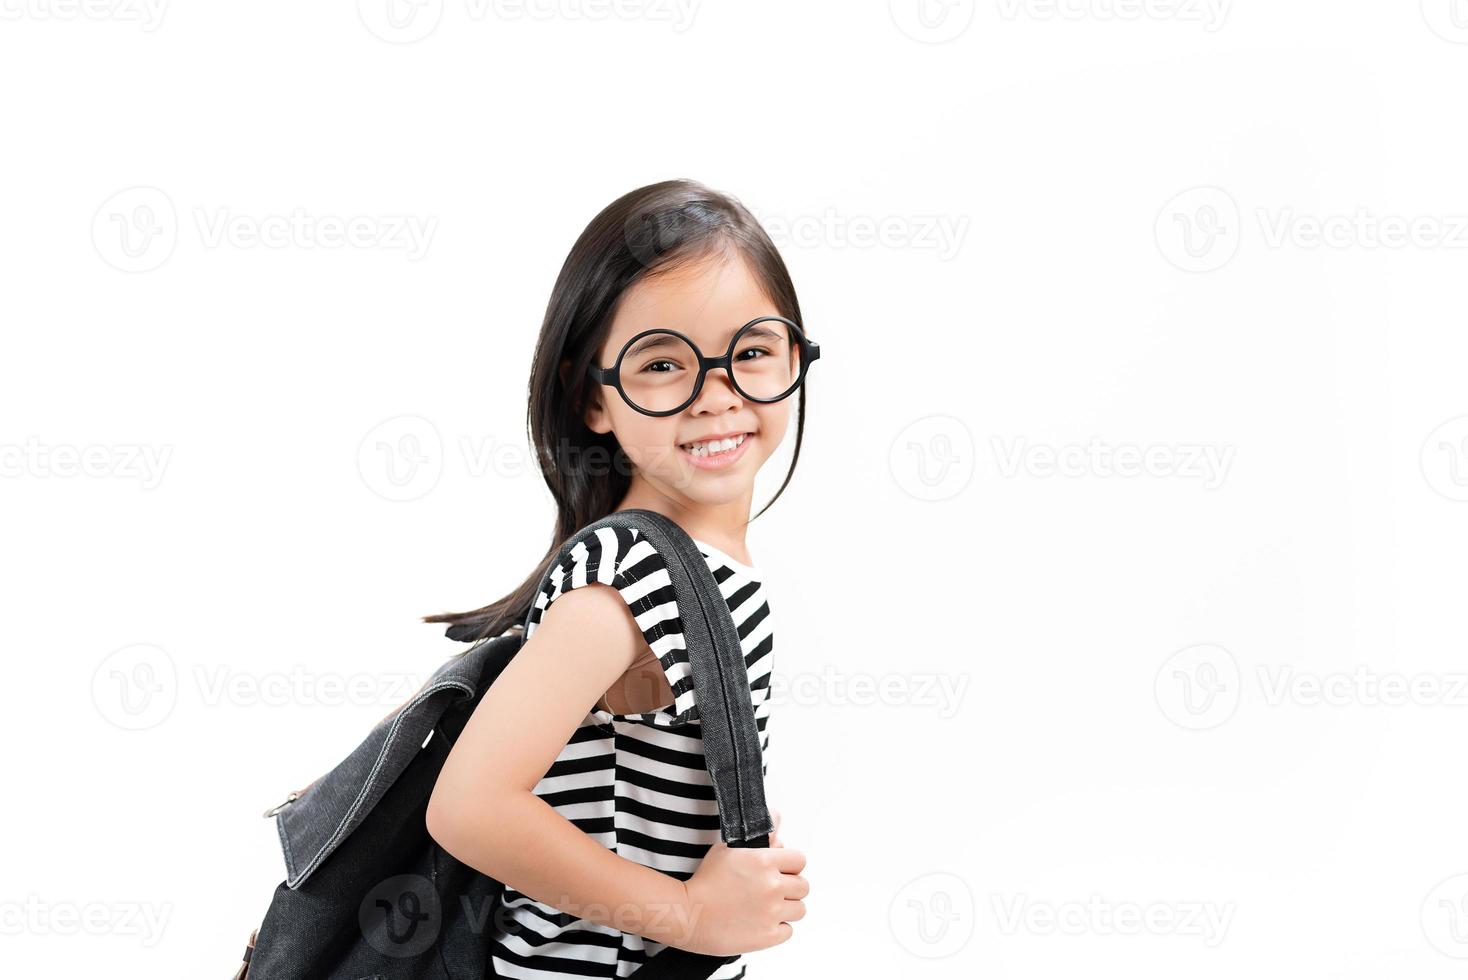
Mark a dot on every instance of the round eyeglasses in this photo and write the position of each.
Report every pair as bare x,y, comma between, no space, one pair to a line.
660,371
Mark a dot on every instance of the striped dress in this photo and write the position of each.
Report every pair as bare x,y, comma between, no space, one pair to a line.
635,782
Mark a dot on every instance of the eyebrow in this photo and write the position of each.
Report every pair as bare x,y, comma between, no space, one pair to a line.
766,333
654,342
660,340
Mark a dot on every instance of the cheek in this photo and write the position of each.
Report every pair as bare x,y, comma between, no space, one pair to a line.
774,423
647,441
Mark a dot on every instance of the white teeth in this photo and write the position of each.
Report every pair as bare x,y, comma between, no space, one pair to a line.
712,447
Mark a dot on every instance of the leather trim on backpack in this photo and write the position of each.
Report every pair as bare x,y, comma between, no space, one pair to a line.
244,970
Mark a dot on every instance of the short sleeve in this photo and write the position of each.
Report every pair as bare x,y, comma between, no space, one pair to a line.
627,561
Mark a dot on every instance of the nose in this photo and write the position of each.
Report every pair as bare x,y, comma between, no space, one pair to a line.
717,395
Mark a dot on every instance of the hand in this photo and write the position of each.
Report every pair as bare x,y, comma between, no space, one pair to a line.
743,899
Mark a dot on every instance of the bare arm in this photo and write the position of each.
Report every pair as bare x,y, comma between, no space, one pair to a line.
483,809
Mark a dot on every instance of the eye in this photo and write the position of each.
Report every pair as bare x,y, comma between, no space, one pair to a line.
751,350
649,366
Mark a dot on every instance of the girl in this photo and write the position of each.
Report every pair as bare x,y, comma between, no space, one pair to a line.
579,781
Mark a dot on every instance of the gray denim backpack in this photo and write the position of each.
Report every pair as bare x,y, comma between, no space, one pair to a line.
369,894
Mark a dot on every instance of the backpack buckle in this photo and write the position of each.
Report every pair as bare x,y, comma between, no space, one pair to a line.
283,804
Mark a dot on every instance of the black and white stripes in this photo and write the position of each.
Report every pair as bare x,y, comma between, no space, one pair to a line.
635,782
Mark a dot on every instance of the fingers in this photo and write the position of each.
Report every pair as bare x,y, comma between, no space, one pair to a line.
796,887
788,860
793,911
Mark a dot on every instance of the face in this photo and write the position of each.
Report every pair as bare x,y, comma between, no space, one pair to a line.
708,302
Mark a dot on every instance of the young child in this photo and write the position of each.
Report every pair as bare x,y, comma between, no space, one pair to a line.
579,781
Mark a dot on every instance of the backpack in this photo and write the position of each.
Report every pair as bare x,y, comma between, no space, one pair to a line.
370,895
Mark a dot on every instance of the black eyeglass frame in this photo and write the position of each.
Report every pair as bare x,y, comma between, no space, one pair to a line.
810,351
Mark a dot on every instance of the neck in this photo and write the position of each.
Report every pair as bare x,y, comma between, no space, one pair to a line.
721,525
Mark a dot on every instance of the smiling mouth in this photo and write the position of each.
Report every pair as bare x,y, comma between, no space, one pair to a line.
713,447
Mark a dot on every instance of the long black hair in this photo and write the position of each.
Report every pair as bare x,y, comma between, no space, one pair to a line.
647,232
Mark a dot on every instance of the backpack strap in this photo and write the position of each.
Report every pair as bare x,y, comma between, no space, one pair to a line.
720,677
726,712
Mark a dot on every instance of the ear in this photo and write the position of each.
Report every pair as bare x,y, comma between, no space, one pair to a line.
596,417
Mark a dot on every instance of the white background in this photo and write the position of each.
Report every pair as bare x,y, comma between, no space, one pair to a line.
1035,243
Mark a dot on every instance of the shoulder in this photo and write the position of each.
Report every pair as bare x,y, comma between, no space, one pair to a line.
614,556
611,555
